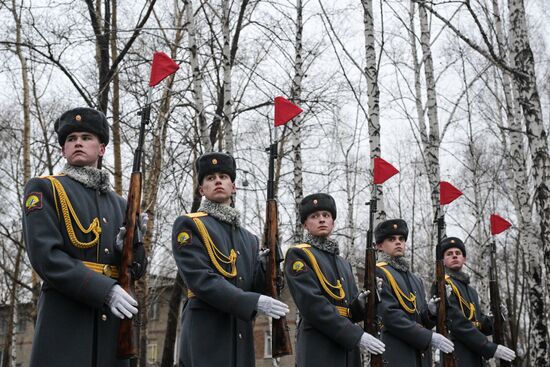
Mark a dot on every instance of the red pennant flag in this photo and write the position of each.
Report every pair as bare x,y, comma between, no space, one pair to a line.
499,224
448,193
162,66
382,171
285,111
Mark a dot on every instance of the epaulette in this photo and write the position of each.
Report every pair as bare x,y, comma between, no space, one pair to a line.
196,215
381,263
303,245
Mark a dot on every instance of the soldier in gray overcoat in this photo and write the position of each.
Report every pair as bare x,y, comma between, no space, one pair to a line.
325,292
468,326
219,261
405,315
70,226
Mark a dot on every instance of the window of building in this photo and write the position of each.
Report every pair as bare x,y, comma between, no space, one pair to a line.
21,325
267,342
152,352
154,311
3,327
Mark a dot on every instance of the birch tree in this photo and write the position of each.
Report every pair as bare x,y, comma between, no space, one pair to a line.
521,58
373,94
296,96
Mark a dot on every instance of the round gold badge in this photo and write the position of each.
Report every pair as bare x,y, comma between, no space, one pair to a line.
214,161
78,117
395,226
315,202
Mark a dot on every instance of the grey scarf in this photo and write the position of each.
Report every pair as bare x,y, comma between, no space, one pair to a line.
90,177
322,243
397,262
459,275
225,213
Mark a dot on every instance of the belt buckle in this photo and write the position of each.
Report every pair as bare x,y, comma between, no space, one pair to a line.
107,270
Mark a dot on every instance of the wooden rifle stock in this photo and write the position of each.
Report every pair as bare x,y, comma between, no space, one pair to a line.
128,331
448,359
280,336
498,323
369,284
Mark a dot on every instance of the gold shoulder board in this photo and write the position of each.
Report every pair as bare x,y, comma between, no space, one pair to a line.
196,215
381,264
303,245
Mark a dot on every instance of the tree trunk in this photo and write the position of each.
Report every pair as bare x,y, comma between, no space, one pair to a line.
10,351
430,139
373,93
527,96
295,96
115,127
227,70
198,100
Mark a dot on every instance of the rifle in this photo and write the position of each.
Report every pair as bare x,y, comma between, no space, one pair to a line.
280,338
129,328
369,282
448,359
498,323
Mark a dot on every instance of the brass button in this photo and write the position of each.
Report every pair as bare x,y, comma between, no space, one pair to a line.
105,220
107,270
103,317
107,251
346,301
238,252
240,278
240,336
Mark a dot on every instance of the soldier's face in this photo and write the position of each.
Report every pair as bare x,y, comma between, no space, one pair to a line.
454,259
218,188
319,223
83,149
393,245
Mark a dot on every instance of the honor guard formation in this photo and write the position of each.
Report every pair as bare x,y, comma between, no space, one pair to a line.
78,239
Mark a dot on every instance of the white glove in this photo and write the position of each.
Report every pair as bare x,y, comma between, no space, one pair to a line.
121,303
504,353
271,307
372,344
379,283
432,305
141,230
442,343
448,290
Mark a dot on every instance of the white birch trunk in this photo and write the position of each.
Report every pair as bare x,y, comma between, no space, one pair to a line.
296,95
431,145
527,97
227,102
200,117
373,93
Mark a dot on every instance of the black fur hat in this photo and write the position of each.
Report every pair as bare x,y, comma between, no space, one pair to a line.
213,162
315,202
451,242
82,119
391,227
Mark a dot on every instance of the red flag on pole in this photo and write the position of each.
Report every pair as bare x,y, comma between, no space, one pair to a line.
285,111
448,193
382,171
162,66
498,224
